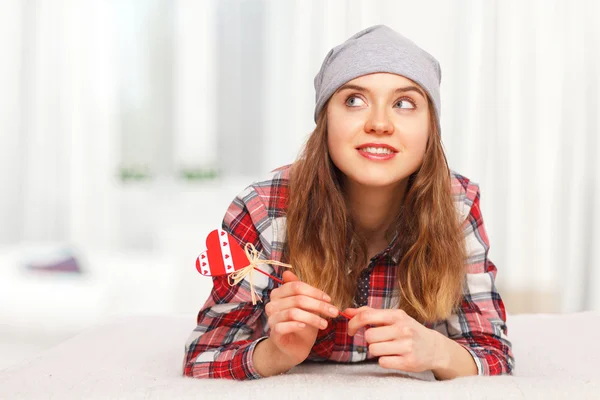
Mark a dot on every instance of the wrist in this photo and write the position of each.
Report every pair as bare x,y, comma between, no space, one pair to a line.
441,355
269,360
452,359
278,356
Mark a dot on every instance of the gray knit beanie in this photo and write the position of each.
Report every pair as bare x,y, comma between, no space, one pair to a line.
377,49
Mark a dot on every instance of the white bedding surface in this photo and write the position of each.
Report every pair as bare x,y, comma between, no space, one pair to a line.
140,357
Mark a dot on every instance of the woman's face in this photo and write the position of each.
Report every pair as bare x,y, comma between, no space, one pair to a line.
377,128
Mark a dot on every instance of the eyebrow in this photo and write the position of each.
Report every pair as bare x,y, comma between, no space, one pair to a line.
400,89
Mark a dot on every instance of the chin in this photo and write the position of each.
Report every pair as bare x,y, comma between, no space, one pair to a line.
378,179
370,174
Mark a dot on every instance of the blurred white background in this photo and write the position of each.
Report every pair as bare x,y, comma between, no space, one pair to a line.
127,127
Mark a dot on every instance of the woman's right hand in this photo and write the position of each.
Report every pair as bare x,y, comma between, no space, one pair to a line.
296,312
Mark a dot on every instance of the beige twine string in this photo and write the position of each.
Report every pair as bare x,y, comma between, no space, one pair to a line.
253,257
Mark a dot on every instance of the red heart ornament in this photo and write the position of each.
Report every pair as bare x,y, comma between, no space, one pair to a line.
221,246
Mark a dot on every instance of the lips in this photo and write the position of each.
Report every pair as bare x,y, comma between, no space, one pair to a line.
374,155
377,146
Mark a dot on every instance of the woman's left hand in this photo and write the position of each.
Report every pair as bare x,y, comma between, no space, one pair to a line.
400,341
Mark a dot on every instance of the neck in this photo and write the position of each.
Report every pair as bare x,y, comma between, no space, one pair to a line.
374,209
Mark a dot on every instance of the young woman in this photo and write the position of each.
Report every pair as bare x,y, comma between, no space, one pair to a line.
374,223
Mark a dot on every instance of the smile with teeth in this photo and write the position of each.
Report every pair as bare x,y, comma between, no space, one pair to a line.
376,150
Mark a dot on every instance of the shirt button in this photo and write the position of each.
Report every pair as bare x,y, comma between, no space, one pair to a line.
361,350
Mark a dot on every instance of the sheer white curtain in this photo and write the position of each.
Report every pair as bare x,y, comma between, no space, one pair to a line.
524,123
520,87
58,142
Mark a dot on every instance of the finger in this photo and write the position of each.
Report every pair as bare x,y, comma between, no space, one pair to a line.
351,311
395,362
289,276
298,315
387,332
391,348
311,304
284,328
370,317
298,288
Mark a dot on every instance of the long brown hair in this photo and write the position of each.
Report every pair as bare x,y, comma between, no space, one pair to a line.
327,251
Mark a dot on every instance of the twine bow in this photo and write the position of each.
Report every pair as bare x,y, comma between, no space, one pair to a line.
253,257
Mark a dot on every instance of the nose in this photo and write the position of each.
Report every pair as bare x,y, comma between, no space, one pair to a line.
379,123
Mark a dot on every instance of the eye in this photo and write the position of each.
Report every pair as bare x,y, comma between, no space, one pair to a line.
353,101
408,102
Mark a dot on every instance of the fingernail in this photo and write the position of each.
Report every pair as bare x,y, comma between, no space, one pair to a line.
332,310
326,298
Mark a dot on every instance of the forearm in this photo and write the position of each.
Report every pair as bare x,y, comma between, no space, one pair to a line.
269,361
453,361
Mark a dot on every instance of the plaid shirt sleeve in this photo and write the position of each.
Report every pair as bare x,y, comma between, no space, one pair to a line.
480,323
229,326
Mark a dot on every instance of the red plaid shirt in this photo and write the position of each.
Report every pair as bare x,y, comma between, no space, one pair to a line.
229,326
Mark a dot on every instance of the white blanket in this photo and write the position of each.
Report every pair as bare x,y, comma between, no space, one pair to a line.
556,356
